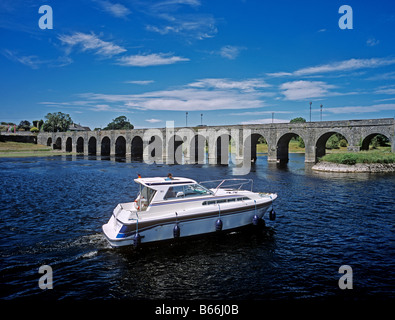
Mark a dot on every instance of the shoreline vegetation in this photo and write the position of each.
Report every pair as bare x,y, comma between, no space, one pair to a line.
336,160
363,161
11,149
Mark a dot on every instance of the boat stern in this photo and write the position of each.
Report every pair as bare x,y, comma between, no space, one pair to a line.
116,231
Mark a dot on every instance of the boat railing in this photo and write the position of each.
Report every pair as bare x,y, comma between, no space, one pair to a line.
232,184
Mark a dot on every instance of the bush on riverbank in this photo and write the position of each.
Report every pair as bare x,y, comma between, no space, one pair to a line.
360,157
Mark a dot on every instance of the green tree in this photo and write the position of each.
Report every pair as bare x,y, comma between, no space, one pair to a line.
119,123
298,120
57,122
25,125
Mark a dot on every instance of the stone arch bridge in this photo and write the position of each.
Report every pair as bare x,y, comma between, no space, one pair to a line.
211,144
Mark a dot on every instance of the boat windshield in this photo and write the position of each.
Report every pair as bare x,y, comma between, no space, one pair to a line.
145,197
148,193
186,191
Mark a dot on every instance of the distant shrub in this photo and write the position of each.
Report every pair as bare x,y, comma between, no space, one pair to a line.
301,143
348,158
333,142
343,143
34,130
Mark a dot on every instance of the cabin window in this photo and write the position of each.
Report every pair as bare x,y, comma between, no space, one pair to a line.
205,203
191,190
175,192
195,190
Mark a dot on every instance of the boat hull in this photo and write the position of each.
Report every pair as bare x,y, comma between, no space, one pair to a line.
187,227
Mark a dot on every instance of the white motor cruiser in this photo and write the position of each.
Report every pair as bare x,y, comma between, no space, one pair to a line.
168,208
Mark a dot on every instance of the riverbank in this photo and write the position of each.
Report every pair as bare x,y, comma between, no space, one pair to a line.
363,161
11,149
358,167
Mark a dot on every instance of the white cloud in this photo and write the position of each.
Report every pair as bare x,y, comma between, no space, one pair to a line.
230,52
202,95
194,100
153,59
36,62
279,74
300,90
345,65
383,76
32,61
115,9
220,95
140,82
170,20
91,42
371,42
223,83
390,89
362,109
191,26
153,120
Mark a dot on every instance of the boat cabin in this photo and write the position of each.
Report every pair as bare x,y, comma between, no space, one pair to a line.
165,189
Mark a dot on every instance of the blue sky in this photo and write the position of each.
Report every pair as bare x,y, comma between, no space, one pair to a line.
235,61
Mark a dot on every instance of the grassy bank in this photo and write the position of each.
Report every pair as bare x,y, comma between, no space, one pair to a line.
11,149
377,156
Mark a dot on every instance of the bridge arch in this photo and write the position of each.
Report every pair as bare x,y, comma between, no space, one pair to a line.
320,144
58,143
92,146
198,148
49,142
282,145
175,149
120,146
137,147
367,139
255,137
222,147
69,144
155,148
80,145
105,146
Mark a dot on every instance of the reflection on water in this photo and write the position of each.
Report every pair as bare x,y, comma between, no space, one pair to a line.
52,210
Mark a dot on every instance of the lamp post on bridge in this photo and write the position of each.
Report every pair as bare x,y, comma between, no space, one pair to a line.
321,111
186,119
310,110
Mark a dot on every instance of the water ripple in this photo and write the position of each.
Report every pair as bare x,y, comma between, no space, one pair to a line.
52,210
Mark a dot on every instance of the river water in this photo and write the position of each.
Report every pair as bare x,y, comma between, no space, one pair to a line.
52,210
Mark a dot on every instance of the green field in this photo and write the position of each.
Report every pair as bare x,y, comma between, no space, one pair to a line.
11,149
